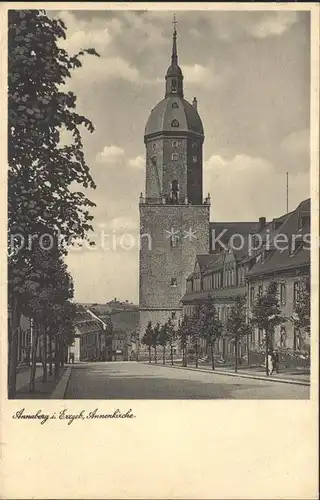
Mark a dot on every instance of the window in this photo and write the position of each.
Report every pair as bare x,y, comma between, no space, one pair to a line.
174,123
174,191
173,315
175,144
251,296
195,145
283,337
303,221
282,293
174,85
296,289
173,241
174,157
260,335
194,159
154,160
175,105
154,146
260,290
173,282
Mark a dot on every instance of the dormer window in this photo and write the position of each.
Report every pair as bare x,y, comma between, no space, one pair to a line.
303,221
174,123
175,105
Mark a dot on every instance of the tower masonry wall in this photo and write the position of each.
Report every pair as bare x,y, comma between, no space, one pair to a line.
171,236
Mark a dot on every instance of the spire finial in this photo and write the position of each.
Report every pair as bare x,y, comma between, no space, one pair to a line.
174,22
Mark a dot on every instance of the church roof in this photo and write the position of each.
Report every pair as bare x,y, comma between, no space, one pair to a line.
174,108
174,113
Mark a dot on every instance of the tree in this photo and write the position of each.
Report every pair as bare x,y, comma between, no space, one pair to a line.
237,326
42,172
163,340
172,333
194,335
301,310
155,340
147,338
210,326
183,335
266,314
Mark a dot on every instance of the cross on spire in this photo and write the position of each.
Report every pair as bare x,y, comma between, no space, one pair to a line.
174,22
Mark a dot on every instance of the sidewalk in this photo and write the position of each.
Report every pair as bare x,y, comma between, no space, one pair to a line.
43,390
286,375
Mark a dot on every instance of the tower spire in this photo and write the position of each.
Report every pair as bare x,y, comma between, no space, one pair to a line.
174,77
174,57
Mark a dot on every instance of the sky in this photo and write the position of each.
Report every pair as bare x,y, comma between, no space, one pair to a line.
250,72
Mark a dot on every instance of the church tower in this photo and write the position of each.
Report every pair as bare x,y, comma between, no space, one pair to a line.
174,218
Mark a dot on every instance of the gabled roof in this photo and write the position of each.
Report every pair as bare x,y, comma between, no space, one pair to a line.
281,256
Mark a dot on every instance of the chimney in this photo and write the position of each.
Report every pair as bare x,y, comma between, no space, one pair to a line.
262,223
195,103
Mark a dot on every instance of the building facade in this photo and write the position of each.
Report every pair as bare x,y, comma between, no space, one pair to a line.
277,251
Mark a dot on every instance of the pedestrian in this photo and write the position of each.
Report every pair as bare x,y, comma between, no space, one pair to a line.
276,360
270,363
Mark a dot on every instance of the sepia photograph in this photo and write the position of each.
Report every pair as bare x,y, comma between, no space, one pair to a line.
159,204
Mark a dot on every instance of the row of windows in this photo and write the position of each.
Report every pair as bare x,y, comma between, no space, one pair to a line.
282,292
215,280
175,144
88,339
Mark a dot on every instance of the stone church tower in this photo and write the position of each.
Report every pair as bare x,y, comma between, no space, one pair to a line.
174,219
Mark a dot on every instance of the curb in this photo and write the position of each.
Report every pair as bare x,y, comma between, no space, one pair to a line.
60,389
242,375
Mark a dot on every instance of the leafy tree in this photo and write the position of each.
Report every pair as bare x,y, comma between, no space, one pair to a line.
147,338
194,336
163,340
266,314
172,334
301,310
237,326
210,326
155,340
184,331
42,172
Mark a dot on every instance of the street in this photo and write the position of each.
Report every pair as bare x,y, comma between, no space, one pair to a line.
132,380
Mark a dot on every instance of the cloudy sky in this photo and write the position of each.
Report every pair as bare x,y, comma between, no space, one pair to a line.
250,74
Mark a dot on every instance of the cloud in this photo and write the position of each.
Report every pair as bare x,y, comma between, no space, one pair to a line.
245,188
198,74
272,23
137,162
111,155
297,142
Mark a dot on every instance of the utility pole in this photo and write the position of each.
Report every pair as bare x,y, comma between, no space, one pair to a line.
287,192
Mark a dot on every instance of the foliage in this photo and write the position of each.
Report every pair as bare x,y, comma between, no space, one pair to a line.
266,313
210,326
44,175
148,335
301,314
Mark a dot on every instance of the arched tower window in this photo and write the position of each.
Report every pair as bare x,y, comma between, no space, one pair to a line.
175,105
174,195
174,123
